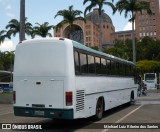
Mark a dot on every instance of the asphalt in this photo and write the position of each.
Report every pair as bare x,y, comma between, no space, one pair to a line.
152,97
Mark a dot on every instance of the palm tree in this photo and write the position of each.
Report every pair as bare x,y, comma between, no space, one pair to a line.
22,20
133,7
3,36
69,16
42,30
100,4
14,28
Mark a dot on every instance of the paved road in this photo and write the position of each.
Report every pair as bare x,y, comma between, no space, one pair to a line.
145,110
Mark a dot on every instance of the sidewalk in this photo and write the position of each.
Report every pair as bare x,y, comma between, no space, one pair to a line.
153,97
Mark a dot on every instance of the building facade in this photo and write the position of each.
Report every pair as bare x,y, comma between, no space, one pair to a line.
88,33
148,25
122,35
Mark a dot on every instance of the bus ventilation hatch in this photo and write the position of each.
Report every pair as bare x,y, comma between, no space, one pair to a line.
80,94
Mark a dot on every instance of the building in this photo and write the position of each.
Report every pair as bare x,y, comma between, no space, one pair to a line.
148,25
122,35
88,33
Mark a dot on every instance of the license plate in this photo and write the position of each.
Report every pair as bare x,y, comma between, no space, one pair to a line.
39,112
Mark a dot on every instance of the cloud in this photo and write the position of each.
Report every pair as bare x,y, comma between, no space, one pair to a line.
7,46
128,26
10,14
8,7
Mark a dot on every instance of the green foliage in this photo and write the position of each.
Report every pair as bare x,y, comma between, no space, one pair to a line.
95,47
13,27
42,30
3,36
69,16
147,49
121,49
148,66
6,61
132,6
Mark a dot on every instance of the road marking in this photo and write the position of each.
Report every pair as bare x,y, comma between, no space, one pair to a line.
105,130
6,113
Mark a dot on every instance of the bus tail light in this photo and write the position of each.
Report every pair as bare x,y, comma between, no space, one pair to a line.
14,97
69,99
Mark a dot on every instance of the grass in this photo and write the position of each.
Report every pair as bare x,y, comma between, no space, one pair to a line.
6,93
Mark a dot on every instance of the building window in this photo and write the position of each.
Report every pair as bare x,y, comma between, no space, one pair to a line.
144,34
140,34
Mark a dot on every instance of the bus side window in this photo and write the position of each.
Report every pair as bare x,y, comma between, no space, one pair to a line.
108,67
117,68
103,66
83,62
76,60
112,68
91,64
98,65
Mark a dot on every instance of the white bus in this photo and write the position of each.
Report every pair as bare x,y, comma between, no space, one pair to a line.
61,78
150,79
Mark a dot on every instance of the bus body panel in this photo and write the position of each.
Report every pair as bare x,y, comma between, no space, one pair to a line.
115,90
41,74
32,91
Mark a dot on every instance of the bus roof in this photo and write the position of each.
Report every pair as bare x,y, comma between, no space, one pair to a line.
83,47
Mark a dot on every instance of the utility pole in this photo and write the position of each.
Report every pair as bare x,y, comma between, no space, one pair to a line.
22,21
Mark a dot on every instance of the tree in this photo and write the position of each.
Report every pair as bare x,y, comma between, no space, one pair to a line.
133,7
120,49
148,49
69,16
148,66
22,20
6,60
42,30
14,27
3,36
100,4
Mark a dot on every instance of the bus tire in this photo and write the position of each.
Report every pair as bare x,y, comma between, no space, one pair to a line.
132,100
99,109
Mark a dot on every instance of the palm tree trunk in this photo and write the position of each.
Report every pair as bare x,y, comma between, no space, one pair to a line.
100,33
133,43
22,21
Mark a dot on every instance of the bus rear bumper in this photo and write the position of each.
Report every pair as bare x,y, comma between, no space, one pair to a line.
44,112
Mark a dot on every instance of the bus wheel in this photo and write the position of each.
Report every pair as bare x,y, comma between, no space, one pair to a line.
99,109
132,101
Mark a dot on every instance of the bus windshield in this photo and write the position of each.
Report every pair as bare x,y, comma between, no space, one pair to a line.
149,77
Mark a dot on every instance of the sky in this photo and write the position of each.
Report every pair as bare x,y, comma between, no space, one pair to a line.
44,11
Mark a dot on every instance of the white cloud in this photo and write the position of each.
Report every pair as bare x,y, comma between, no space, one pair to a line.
8,7
7,46
128,26
10,14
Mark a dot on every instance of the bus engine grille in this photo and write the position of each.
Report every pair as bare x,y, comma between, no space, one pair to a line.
80,94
